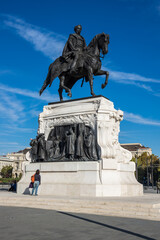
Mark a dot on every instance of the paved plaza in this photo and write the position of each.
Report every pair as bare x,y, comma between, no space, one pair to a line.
25,223
36,224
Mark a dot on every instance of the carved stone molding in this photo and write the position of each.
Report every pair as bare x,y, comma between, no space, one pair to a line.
118,115
99,114
49,123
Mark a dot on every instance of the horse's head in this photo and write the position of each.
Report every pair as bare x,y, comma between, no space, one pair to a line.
103,42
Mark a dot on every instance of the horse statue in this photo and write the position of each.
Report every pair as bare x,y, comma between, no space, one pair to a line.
87,65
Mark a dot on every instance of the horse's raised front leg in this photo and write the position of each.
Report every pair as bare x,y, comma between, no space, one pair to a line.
62,80
90,79
102,72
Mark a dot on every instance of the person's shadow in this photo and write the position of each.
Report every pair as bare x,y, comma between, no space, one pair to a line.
26,191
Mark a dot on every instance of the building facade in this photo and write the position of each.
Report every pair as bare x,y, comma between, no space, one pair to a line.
137,149
19,159
15,159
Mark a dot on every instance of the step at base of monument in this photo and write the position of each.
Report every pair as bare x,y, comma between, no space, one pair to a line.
108,208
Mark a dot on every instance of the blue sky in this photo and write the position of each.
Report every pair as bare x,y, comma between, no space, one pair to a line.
32,35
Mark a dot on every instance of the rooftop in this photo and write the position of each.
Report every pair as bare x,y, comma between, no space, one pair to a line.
133,146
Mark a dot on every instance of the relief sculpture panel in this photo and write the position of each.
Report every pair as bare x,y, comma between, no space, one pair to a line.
72,142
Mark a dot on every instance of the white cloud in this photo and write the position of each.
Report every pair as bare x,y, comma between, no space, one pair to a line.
115,75
137,84
49,43
133,79
10,101
157,94
131,117
34,113
14,112
8,113
9,143
10,107
8,128
25,92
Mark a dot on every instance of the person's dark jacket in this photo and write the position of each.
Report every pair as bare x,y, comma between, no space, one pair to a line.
37,177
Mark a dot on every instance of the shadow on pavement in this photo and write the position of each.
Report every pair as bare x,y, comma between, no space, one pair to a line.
108,226
4,189
26,191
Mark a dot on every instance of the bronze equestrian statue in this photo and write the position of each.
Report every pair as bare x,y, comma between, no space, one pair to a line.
78,61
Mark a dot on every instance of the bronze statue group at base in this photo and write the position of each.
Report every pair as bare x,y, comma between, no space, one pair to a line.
78,61
75,142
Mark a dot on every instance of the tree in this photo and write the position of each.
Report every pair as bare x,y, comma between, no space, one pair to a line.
6,171
146,165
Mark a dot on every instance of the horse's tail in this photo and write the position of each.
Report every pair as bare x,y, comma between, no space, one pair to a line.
53,72
47,81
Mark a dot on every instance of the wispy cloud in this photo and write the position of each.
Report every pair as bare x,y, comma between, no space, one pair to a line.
136,84
131,117
10,107
9,143
13,111
115,75
15,128
49,43
133,79
28,93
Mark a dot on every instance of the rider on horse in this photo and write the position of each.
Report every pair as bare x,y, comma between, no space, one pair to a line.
78,61
74,47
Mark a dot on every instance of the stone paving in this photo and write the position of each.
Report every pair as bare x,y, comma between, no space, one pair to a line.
19,223
36,224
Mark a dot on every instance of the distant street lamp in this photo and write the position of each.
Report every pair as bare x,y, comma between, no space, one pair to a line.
136,166
147,174
151,171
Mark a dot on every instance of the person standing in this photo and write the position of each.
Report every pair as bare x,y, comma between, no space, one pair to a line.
37,182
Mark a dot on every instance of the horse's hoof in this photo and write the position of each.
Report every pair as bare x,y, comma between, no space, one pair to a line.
93,94
103,86
69,94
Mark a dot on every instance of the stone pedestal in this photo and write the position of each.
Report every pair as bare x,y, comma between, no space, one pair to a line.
111,175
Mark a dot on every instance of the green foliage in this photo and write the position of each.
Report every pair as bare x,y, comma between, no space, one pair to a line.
20,176
8,180
6,171
147,163
145,159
